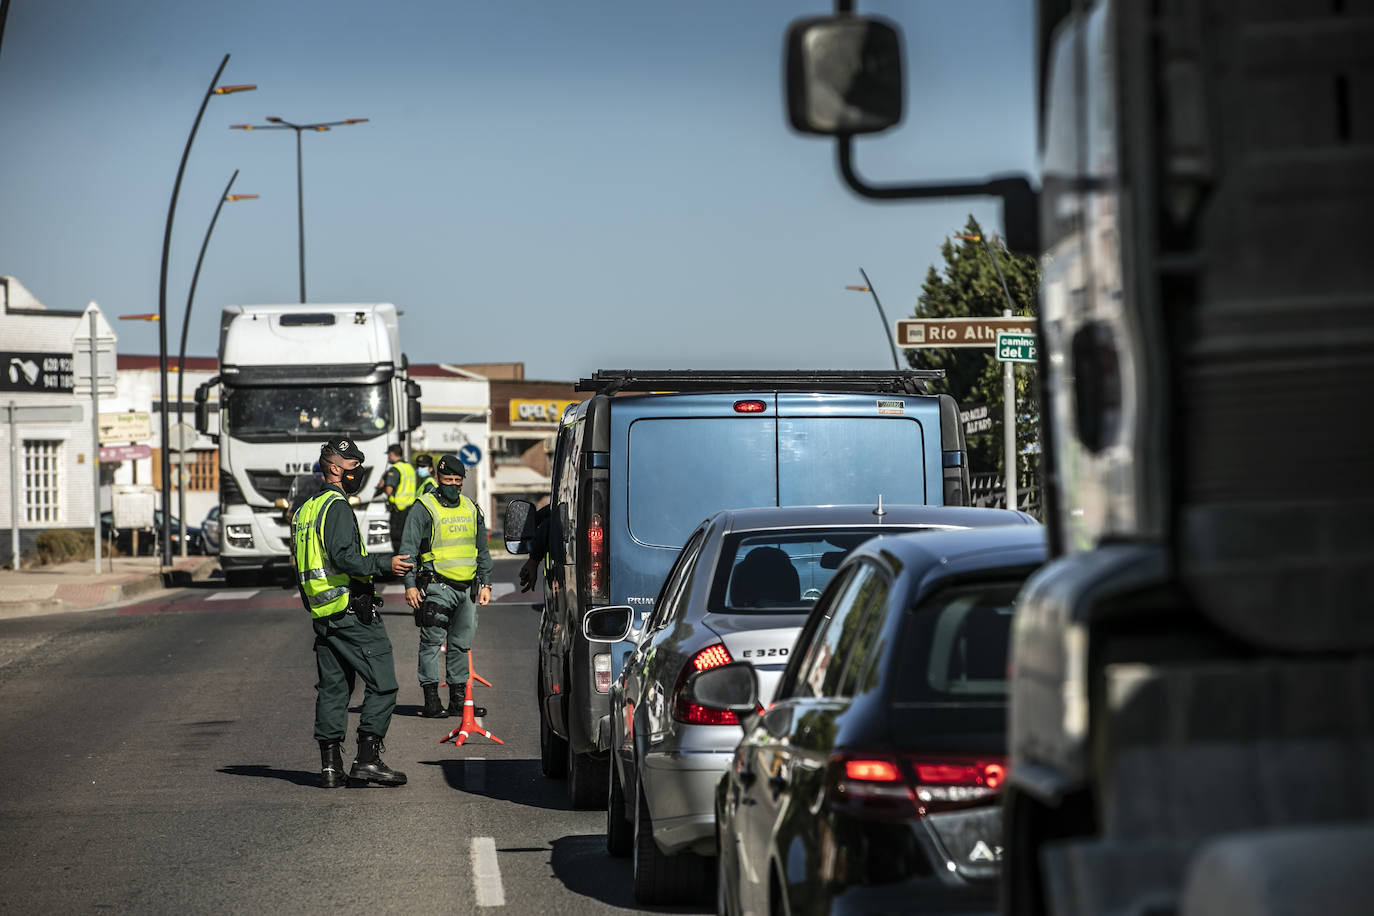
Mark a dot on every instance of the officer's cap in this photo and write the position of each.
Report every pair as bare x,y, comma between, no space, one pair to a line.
424,461
346,448
449,464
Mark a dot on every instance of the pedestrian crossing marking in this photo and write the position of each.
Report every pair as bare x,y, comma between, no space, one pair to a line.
394,590
501,589
235,595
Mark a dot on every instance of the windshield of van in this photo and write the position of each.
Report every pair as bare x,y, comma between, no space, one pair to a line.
778,573
299,410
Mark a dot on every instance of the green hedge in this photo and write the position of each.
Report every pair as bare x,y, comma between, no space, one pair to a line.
58,545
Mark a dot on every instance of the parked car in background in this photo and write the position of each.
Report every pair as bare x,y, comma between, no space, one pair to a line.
740,590
872,783
147,538
209,530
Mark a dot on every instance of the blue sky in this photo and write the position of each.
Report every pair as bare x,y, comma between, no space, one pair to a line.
578,186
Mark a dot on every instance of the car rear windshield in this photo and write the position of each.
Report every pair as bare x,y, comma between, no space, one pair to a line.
952,675
776,573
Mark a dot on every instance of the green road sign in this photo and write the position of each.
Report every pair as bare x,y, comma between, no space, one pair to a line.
1016,348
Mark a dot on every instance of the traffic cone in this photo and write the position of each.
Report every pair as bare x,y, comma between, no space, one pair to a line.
469,726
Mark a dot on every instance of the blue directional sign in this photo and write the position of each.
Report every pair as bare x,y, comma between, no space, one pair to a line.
470,455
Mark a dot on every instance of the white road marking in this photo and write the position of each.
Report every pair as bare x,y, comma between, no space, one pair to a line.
501,589
233,595
486,873
475,772
394,589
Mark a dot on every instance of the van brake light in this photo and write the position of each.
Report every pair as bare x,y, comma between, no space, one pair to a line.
750,407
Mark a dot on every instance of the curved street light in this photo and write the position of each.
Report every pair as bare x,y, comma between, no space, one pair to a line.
166,462
224,198
887,328
275,123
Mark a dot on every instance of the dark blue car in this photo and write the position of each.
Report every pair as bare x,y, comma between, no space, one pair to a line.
872,783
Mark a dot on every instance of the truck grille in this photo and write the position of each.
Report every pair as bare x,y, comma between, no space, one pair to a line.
271,485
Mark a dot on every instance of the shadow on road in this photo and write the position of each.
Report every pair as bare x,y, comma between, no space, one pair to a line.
584,867
518,781
295,777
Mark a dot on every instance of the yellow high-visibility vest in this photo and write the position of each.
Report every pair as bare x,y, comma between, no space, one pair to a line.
324,586
404,493
452,538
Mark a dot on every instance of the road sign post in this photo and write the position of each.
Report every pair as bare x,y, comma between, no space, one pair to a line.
1012,339
1012,348
93,362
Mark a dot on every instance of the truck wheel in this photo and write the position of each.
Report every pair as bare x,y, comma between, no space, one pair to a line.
619,830
553,750
586,780
659,878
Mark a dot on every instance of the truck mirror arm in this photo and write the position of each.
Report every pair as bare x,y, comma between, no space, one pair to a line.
1020,201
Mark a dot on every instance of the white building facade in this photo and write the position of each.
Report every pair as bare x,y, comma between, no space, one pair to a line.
47,449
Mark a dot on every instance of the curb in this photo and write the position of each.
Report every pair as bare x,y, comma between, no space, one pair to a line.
88,596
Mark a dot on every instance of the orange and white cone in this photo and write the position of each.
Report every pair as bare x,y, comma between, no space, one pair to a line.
469,726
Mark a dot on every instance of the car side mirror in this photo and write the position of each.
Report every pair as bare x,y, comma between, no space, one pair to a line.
609,624
732,687
519,527
844,75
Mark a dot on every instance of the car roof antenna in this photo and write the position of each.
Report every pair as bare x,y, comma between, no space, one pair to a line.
880,511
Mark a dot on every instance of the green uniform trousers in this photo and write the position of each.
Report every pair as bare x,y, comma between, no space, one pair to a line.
345,647
462,627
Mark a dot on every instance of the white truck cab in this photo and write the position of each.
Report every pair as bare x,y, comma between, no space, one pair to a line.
292,377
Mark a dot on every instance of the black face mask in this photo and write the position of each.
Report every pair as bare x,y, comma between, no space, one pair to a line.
351,481
450,492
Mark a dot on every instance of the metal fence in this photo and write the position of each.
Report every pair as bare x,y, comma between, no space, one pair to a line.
987,490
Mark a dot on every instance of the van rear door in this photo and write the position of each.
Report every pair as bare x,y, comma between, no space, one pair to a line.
846,449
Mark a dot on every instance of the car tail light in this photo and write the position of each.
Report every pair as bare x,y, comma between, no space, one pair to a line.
941,783
750,407
595,546
890,787
713,656
601,667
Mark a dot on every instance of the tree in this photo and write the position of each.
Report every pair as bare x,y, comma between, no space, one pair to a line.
969,287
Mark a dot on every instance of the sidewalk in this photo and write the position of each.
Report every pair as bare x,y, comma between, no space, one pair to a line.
75,586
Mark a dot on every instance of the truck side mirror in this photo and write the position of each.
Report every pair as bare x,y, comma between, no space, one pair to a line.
203,409
412,405
844,75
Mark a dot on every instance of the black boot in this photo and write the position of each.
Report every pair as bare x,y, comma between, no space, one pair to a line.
434,707
368,765
457,696
331,766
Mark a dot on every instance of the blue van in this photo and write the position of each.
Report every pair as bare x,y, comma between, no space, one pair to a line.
635,473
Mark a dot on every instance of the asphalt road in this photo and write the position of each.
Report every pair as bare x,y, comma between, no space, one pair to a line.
160,758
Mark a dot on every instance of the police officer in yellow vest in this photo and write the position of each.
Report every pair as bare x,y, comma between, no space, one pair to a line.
447,531
399,484
335,573
424,471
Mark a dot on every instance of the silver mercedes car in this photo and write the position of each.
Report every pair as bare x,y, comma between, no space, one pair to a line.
740,590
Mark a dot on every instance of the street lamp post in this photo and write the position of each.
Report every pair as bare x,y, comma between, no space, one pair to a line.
868,288
275,123
1008,385
225,197
166,463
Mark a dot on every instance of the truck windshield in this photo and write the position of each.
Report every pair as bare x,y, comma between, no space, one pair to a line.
307,411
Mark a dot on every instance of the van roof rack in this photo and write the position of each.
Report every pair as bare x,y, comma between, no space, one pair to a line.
890,381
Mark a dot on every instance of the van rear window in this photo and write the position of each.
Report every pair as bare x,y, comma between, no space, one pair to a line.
848,461
683,469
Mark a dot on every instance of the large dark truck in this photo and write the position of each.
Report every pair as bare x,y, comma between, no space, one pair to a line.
650,454
1192,684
